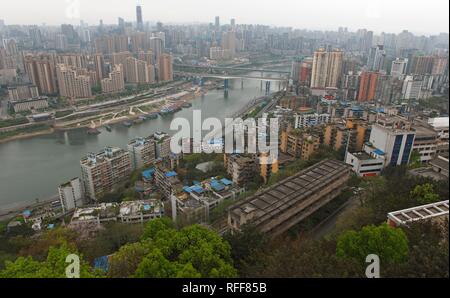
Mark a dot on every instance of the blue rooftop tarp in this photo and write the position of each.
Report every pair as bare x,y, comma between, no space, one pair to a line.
102,263
50,226
378,152
197,189
148,174
187,189
195,182
171,174
147,207
217,186
226,181
26,213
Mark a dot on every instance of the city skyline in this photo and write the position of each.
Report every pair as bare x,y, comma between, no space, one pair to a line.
379,16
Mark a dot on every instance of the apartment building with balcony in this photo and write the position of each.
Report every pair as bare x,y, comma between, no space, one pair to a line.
101,172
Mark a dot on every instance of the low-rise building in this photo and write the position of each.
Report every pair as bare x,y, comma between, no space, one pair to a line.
365,165
167,182
127,212
241,168
29,104
140,211
394,138
22,92
198,200
425,142
299,143
281,206
440,165
309,120
437,212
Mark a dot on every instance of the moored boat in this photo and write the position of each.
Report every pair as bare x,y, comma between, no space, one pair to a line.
127,123
93,131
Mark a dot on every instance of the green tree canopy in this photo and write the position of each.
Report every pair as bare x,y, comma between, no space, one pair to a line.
194,251
424,193
54,266
390,244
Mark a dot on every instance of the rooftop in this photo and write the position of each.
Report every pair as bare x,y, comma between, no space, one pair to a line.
439,122
284,194
423,212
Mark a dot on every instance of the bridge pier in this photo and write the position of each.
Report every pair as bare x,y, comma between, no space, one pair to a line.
225,84
267,87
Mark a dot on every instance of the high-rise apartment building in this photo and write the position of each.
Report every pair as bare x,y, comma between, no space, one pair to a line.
41,72
326,69
100,68
439,65
137,71
156,45
71,84
367,86
229,42
421,65
103,171
398,67
142,152
115,82
377,56
71,194
165,71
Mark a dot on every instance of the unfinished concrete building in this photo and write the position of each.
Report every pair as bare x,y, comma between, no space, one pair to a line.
291,200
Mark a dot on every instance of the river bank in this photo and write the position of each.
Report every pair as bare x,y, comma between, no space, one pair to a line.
87,123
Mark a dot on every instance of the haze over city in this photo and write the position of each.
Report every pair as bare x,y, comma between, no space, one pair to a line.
420,17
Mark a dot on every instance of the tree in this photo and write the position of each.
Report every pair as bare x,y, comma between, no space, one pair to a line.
425,194
125,262
194,251
245,245
53,267
390,244
414,161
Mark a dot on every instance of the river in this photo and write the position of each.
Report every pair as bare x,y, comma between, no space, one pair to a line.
33,168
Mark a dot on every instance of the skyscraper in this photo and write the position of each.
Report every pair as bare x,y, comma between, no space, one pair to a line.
398,67
367,86
326,69
41,72
376,59
217,22
100,69
165,68
229,42
139,21
157,47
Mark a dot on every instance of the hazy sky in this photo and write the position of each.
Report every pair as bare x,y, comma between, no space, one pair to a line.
418,16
